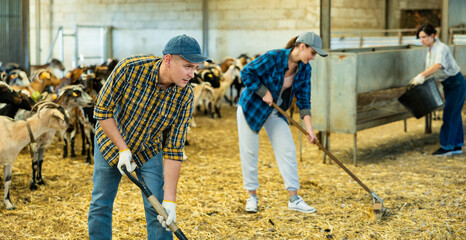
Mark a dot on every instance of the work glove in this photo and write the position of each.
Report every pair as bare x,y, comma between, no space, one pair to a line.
419,79
170,209
125,159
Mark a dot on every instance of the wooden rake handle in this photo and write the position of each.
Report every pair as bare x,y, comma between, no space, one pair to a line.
155,203
322,148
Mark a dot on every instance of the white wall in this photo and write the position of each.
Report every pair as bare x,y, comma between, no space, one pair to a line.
234,26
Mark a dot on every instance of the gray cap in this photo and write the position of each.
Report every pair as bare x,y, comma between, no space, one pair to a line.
312,40
187,47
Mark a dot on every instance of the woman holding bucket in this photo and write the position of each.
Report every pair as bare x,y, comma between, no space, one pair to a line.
276,76
441,65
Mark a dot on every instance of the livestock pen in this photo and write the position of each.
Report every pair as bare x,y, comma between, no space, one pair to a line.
357,89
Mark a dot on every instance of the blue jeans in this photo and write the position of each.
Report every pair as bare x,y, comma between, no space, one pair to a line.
451,132
106,180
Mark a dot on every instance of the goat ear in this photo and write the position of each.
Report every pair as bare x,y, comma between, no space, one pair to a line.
45,74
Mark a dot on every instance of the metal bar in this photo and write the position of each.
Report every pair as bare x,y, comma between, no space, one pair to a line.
360,40
428,127
25,35
93,57
62,52
327,110
445,21
355,149
325,144
400,38
61,47
102,44
450,39
205,29
52,46
89,26
376,31
76,59
325,9
38,32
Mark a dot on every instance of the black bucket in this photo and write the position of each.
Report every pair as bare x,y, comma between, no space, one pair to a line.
422,99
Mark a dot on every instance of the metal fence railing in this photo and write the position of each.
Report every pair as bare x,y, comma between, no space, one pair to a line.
457,36
387,37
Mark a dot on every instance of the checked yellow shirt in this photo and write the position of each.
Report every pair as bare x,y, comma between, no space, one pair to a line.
142,111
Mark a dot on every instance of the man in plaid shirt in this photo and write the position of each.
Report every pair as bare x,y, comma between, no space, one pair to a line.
143,97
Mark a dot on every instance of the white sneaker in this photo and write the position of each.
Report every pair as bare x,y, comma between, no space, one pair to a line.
251,205
300,205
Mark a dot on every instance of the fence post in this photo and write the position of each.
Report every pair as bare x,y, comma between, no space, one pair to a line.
360,40
400,38
450,38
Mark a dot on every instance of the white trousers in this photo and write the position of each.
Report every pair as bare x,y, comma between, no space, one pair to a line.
283,146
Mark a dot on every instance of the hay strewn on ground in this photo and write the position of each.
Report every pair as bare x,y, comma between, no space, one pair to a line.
425,195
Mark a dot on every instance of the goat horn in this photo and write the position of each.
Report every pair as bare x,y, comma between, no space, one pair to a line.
44,104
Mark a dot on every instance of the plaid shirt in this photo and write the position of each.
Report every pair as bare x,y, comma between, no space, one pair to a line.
267,73
142,111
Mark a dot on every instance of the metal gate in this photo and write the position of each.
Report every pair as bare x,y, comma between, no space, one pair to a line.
92,44
14,41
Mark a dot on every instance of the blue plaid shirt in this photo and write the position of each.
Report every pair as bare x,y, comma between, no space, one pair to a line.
267,73
142,110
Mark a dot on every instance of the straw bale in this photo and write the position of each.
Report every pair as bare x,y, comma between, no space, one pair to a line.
424,195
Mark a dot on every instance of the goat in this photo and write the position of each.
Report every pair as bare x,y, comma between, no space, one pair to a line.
11,66
40,80
18,134
18,77
229,76
77,116
211,74
54,65
105,69
237,84
203,95
90,77
13,101
227,61
3,76
68,98
8,95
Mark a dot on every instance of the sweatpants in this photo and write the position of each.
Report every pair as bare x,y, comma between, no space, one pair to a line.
279,134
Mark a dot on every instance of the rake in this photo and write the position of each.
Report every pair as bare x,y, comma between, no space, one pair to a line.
378,202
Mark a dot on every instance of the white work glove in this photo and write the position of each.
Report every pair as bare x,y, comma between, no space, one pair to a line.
418,80
125,159
170,209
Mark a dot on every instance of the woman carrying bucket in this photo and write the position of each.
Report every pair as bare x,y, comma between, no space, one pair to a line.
441,65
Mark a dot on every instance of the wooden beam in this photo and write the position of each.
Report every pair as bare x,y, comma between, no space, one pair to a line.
444,33
325,23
